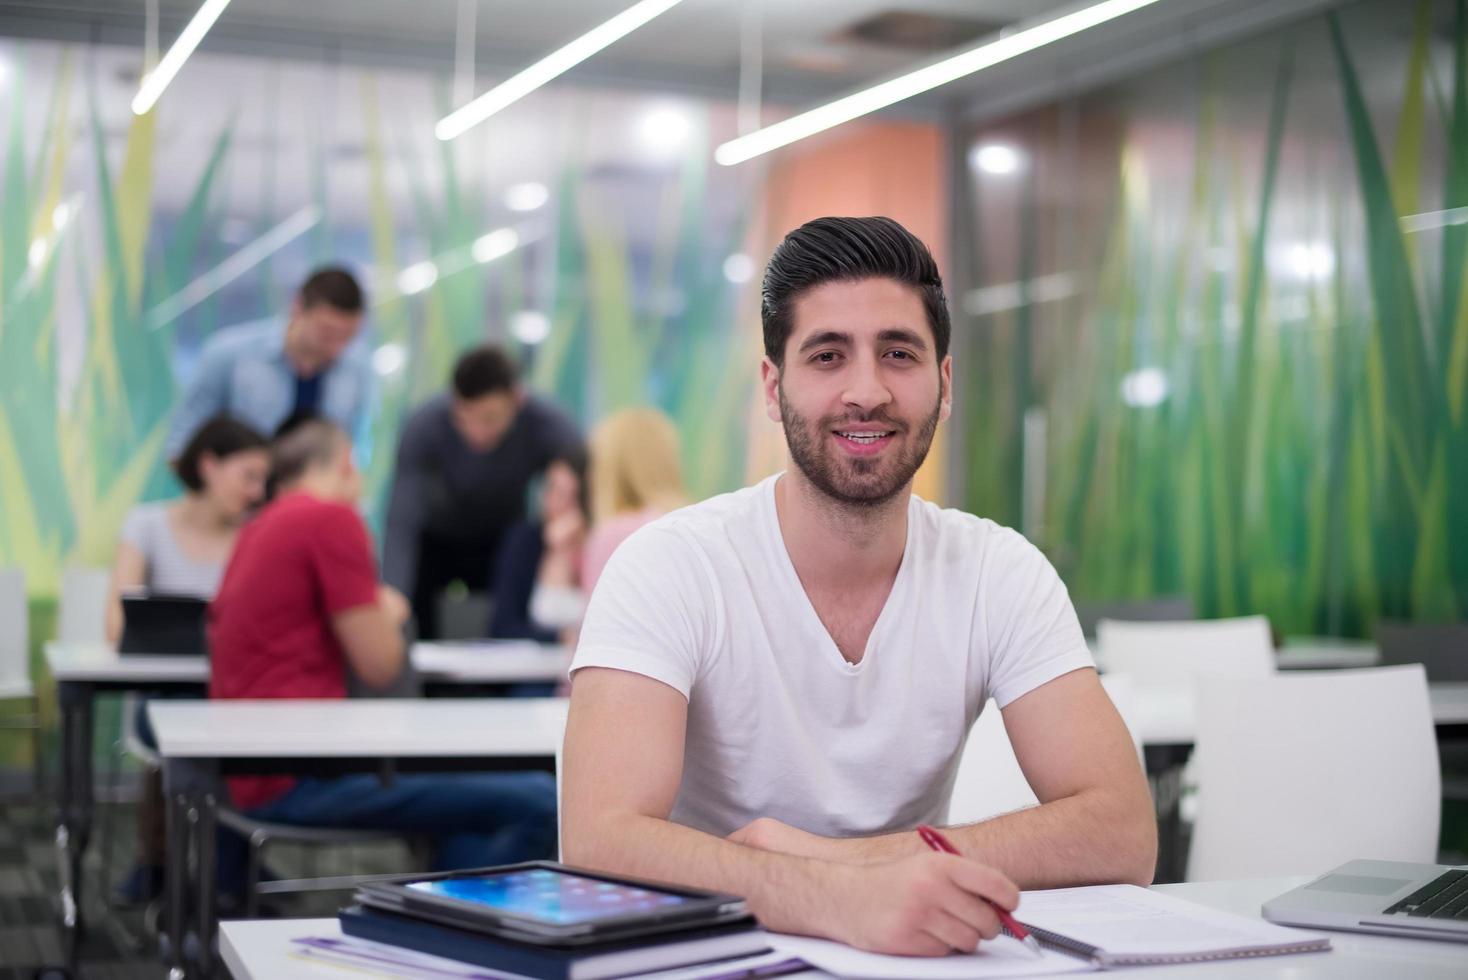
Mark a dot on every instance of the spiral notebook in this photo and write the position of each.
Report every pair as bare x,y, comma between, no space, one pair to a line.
1096,928
1123,925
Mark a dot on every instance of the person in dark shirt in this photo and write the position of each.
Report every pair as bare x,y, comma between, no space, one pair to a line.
464,465
541,551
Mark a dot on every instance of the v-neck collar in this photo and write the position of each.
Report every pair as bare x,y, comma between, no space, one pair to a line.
831,652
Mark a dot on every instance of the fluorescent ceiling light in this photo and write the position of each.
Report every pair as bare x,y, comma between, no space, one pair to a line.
664,130
530,327
552,65
527,196
739,268
924,79
1144,388
157,80
996,158
487,248
233,267
389,359
416,278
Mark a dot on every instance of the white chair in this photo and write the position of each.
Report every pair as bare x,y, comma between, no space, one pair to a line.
1163,654
15,675
1304,770
81,615
990,782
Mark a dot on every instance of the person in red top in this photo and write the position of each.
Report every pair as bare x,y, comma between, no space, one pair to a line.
300,604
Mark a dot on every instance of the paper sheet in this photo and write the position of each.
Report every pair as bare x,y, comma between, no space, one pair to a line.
1001,957
1125,919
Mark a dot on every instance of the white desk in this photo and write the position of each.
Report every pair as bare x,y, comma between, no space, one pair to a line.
486,662
491,662
260,949
393,728
83,670
199,741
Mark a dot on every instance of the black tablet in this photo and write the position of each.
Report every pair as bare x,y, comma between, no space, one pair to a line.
547,903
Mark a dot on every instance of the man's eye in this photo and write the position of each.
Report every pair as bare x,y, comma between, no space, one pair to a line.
901,355
826,357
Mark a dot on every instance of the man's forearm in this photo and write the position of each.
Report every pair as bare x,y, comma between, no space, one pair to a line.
1089,838
786,892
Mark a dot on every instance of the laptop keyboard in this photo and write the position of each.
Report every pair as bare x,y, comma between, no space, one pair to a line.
1444,897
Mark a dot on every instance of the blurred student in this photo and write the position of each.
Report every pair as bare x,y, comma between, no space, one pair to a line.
299,603
542,552
265,373
179,547
465,462
635,477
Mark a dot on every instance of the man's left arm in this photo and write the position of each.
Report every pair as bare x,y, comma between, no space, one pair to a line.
1094,823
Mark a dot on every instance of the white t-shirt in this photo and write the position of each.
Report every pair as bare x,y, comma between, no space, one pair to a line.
706,600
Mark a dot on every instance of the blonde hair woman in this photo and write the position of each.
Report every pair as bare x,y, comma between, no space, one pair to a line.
636,476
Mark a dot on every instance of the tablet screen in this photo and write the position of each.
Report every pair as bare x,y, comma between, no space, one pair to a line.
553,897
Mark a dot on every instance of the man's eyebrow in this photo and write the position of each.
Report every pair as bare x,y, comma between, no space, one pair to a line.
825,337
901,335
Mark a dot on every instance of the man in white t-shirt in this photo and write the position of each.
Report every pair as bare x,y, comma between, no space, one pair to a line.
772,688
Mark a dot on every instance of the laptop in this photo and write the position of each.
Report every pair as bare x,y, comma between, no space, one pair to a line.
1425,901
164,625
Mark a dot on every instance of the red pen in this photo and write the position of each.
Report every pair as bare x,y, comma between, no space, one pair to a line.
938,842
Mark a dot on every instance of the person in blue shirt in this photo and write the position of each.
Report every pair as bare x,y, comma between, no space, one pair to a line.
263,374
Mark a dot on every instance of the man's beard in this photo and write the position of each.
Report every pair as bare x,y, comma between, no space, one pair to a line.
853,480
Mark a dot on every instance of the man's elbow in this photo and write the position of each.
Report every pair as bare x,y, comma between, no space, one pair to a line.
380,668
1139,853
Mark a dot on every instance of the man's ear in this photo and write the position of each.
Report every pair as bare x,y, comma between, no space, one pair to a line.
769,379
945,389
519,393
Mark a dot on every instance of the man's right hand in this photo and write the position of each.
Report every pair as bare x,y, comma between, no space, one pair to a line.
923,905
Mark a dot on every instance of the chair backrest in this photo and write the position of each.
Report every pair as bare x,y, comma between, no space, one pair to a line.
1304,770
463,616
990,781
15,636
1159,609
81,614
1441,648
1172,654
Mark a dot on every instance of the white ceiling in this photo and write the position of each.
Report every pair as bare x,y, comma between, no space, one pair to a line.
695,46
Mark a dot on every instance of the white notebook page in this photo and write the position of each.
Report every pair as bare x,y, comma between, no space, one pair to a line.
1124,920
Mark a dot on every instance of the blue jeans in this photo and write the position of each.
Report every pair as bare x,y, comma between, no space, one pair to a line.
474,819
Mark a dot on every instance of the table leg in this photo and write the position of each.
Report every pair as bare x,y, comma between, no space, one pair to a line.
206,854
176,862
188,785
74,819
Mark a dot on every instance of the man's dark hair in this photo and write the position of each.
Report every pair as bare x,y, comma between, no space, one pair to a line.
484,370
334,286
847,250
220,436
309,441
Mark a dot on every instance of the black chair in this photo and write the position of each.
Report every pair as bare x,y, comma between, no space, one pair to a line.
1156,610
1441,648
